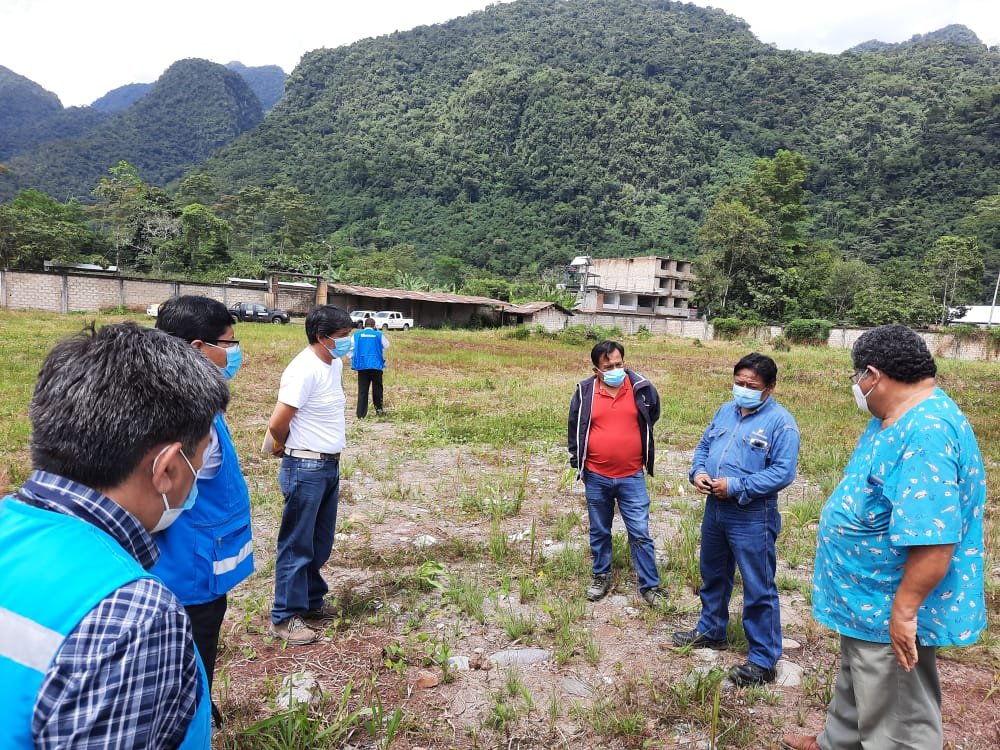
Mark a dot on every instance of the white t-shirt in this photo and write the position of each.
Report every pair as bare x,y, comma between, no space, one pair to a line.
314,389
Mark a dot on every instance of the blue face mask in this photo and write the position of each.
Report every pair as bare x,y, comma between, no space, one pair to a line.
747,398
614,378
342,347
234,358
172,514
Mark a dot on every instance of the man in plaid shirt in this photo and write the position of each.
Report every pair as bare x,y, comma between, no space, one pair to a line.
94,652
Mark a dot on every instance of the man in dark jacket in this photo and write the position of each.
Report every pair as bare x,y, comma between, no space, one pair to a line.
610,442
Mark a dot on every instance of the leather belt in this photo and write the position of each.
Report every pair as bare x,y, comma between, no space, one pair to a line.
314,455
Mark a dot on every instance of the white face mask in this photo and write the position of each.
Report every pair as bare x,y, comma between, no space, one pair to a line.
861,398
172,514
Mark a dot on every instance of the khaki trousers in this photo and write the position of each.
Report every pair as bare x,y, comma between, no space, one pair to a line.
877,705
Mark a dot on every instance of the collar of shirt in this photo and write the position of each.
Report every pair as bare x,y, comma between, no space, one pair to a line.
57,493
759,410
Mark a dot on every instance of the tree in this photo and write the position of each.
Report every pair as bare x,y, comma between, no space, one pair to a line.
36,227
955,267
735,243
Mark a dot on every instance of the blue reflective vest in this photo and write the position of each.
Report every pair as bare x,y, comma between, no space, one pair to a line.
368,350
209,548
46,592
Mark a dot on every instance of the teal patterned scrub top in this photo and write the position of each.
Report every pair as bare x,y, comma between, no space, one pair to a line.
917,482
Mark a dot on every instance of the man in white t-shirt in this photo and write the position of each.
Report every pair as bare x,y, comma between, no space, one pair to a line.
309,432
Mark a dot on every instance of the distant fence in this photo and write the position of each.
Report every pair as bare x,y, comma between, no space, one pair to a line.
80,292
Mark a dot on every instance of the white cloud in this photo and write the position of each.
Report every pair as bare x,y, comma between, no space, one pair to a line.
81,50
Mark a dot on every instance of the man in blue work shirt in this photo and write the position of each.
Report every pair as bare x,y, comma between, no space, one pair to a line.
94,651
748,453
368,361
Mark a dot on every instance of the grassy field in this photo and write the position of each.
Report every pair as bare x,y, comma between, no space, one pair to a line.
472,453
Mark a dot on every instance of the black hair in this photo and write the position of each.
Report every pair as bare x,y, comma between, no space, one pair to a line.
762,365
194,318
604,349
105,398
324,320
369,322
897,351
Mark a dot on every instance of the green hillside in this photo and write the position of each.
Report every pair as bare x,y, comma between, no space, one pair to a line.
192,110
531,130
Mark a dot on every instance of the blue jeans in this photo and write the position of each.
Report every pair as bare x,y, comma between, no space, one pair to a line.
633,504
305,539
742,535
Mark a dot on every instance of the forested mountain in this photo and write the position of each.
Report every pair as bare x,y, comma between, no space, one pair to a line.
519,136
192,110
954,33
121,98
30,115
266,81
484,153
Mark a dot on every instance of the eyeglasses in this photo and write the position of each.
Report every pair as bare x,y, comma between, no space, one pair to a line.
857,377
224,343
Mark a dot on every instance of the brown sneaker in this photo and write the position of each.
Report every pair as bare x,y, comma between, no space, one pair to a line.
293,631
799,742
325,612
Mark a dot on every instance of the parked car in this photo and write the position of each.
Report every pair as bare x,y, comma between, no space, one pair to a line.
386,319
358,317
153,310
256,312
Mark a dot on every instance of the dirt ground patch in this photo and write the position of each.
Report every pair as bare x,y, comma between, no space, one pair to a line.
509,528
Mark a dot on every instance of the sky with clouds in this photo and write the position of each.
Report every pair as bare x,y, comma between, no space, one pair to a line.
81,50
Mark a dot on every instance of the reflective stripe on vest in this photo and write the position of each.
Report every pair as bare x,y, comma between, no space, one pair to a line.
230,563
27,643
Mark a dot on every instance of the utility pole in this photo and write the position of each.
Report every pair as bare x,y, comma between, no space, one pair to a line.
993,307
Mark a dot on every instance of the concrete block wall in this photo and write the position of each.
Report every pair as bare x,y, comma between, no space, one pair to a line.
31,291
23,290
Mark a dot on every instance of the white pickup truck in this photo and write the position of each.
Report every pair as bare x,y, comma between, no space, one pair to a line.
390,319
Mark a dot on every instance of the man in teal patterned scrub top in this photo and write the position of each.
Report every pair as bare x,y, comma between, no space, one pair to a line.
899,554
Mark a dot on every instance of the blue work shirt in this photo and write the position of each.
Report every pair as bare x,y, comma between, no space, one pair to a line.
757,453
919,481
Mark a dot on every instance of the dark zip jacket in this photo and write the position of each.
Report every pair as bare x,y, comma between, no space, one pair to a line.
647,402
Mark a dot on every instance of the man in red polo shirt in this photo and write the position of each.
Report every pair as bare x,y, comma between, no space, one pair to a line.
610,442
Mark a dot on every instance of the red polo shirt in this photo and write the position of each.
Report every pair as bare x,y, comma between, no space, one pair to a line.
614,446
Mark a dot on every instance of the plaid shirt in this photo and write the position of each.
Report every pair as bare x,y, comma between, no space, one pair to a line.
122,677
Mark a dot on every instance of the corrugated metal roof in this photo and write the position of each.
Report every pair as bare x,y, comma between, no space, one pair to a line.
529,308
458,299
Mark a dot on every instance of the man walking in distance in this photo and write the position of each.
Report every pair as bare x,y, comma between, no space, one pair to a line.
309,432
209,550
369,362
94,651
899,551
610,441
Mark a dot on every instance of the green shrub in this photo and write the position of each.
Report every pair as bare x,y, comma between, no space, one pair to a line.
964,332
780,344
729,328
643,334
577,335
993,339
517,332
808,331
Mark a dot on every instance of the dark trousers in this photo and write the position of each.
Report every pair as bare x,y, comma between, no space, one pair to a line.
368,378
206,622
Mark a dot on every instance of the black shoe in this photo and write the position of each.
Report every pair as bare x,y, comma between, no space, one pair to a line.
699,640
599,586
751,674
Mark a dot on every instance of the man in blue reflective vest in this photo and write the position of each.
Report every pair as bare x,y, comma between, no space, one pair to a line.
369,362
94,651
210,548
